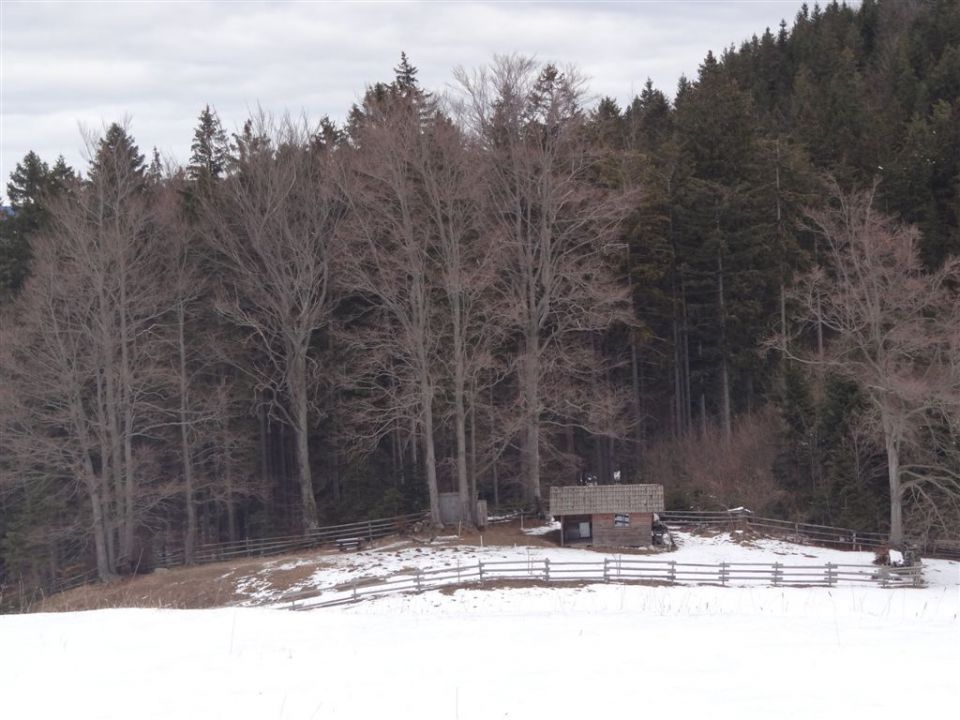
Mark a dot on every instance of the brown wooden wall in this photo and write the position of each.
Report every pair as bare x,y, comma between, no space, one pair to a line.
636,534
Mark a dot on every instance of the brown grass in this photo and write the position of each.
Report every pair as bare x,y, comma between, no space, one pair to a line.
204,586
215,585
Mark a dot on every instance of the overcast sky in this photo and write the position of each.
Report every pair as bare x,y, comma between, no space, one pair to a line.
87,63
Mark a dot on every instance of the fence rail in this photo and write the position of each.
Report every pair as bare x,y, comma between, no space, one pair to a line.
802,532
365,530
13,597
369,530
617,569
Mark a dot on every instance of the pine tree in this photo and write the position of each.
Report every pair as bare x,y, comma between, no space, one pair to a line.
209,151
406,75
32,184
118,163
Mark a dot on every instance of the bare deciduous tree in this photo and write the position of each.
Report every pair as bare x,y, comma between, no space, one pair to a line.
390,267
551,220
273,227
466,263
891,328
87,384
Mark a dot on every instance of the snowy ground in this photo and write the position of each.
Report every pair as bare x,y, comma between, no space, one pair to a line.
597,651
401,559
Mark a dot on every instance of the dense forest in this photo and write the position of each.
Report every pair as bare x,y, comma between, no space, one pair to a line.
748,293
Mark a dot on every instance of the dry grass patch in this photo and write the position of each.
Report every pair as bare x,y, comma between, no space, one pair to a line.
202,586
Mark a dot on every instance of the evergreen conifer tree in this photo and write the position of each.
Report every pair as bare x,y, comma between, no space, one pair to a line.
32,184
209,150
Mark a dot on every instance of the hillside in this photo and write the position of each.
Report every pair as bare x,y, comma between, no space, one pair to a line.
256,582
659,288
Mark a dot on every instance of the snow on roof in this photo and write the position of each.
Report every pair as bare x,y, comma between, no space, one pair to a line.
589,499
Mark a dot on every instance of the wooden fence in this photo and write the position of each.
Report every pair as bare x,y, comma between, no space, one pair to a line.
369,530
365,530
802,532
616,569
14,597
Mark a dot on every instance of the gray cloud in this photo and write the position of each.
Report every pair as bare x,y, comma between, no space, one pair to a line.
90,63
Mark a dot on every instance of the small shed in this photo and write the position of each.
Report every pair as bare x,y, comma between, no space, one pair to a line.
450,509
615,515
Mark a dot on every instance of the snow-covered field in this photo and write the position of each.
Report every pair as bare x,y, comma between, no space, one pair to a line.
402,559
598,651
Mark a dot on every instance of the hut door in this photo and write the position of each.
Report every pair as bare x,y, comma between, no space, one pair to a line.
585,529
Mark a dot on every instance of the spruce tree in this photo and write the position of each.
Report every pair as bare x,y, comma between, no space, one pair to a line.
118,163
32,185
209,150
406,75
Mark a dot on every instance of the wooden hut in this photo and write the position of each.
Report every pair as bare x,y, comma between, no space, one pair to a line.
613,515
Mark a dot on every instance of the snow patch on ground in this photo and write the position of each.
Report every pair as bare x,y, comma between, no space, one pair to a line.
403,560
542,530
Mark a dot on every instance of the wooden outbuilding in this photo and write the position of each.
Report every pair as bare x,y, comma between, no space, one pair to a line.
611,515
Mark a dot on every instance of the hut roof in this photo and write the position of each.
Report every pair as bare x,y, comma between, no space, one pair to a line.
590,499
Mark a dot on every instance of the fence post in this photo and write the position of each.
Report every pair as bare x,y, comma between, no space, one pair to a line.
777,574
831,574
855,540
917,575
672,573
419,582
606,570
480,567
354,589
546,569
370,530
723,573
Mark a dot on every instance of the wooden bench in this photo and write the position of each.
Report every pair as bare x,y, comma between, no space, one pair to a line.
351,543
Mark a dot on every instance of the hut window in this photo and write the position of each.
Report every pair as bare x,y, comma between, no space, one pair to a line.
621,521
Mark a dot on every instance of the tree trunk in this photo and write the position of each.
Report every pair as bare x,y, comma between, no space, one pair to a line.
531,391
725,398
301,428
105,569
467,503
127,403
891,437
679,426
473,453
107,514
414,446
495,478
129,510
430,458
228,484
611,459
703,414
637,409
106,562
115,475
724,364
685,329
262,430
190,536
599,470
